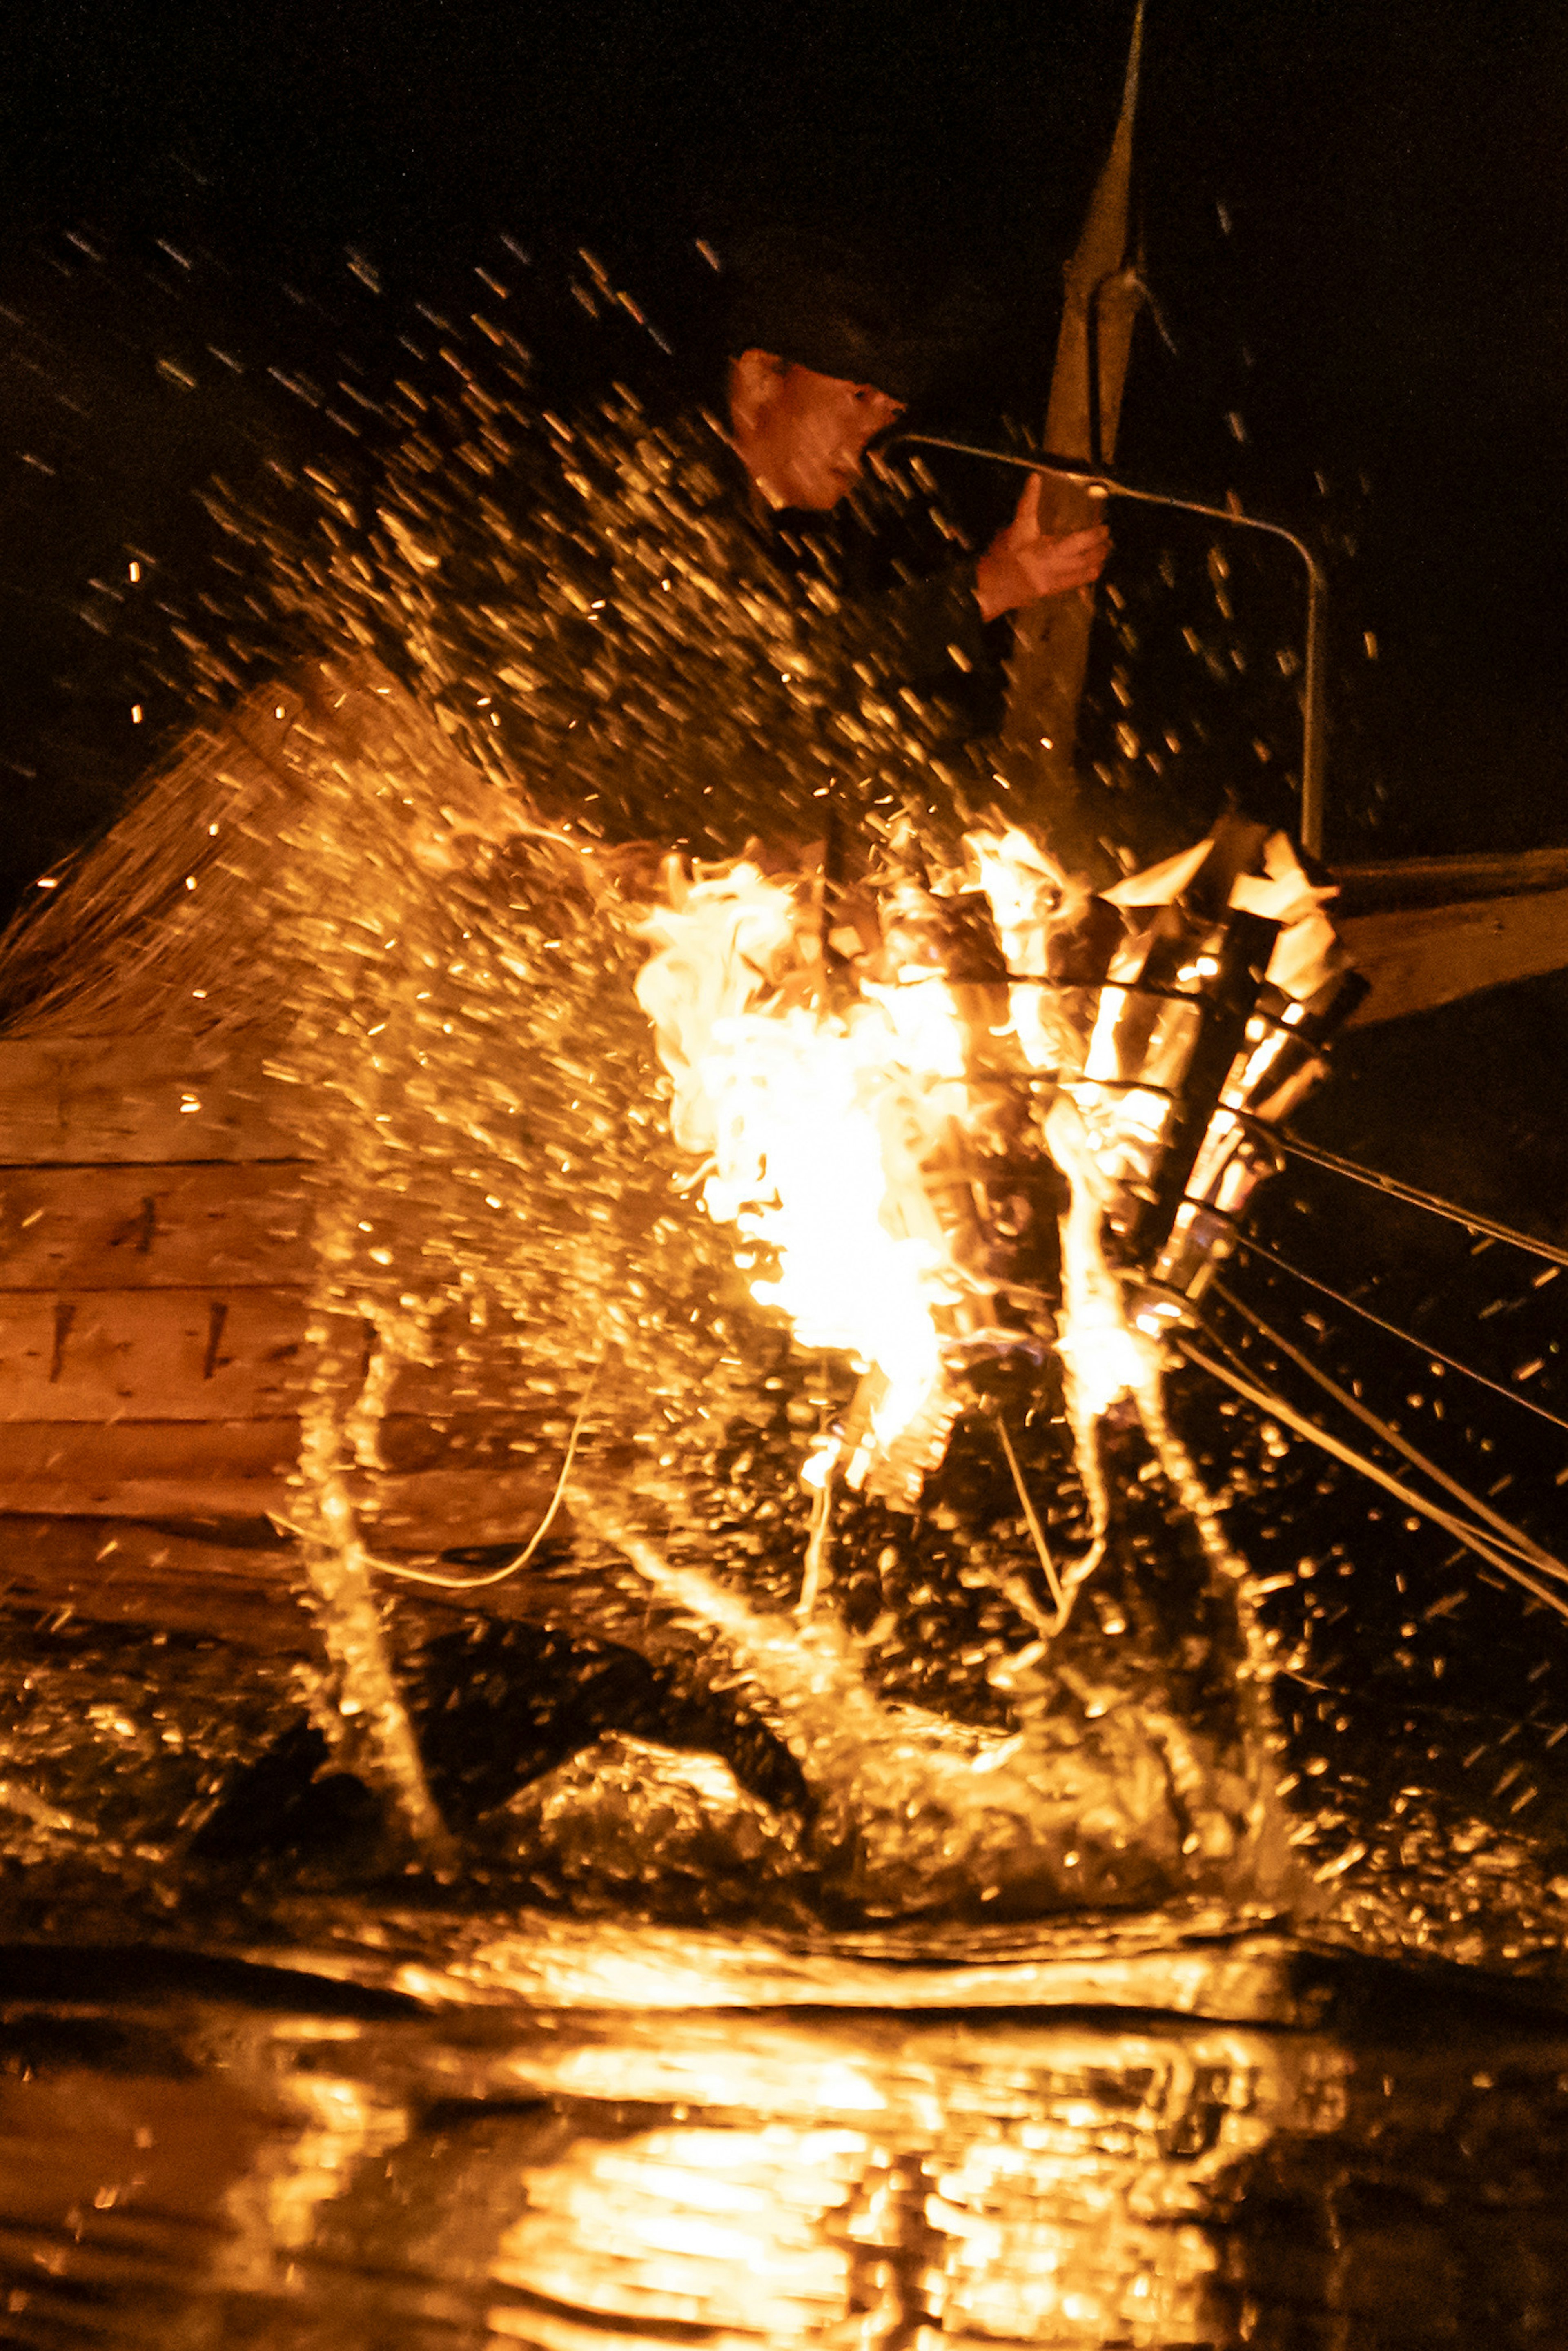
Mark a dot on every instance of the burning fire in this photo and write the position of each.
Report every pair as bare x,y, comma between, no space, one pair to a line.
849,1093
821,1109
815,1123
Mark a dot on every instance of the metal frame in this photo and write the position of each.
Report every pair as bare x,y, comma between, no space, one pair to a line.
1099,483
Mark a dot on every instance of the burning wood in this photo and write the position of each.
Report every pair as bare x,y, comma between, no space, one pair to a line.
893,1116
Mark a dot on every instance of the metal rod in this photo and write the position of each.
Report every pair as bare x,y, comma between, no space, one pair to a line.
1410,1338
1101,483
1409,1195
1466,1532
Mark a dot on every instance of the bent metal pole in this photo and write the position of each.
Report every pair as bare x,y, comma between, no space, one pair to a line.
1314,736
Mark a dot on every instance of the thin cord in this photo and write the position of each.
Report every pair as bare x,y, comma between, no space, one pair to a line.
1393,1330
513,1566
1408,1705
1472,1539
818,1548
1412,1197
1490,1547
1032,1520
1469,1536
1485,1545
1514,1538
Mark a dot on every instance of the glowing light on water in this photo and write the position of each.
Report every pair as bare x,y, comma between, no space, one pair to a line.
492,1079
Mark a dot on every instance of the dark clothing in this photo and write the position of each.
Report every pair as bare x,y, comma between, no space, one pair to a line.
705,673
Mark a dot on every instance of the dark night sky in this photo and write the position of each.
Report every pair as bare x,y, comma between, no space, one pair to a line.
1356,222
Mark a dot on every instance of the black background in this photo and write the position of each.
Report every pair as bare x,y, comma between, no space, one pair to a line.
1355,221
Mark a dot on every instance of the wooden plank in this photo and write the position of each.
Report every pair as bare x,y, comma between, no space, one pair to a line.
447,1509
94,1458
1418,957
254,1596
165,1354
90,1454
469,1487
1448,881
435,1509
249,1595
153,1228
209,1501
228,1355
162,1470
143,1100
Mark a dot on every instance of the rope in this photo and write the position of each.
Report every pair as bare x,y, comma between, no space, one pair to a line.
819,1548
1409,1193
1408,1705
1032,1520
514,1566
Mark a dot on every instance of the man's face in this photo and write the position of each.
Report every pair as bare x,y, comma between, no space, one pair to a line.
802,435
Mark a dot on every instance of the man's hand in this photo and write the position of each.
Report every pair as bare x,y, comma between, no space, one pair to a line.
1023,562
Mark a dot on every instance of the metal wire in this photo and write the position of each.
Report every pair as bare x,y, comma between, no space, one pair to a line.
1470,1536
1099,483
1392,1329
1057,986
1411,1194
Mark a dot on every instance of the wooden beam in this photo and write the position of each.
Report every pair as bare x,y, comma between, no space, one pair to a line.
154,1228
163,1354
1418,957
142,1099
93,1455
1446,880
1051,638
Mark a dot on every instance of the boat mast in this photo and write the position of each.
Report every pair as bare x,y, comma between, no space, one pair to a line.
1050,642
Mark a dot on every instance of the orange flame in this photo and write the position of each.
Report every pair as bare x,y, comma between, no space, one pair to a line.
815,1123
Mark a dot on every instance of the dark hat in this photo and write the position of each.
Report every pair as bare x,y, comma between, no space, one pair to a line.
826,306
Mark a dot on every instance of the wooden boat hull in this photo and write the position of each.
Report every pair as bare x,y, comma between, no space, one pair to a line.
155,1268
154,1236
1430,931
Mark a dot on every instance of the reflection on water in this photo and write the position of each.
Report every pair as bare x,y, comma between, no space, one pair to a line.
406,2112
202,2163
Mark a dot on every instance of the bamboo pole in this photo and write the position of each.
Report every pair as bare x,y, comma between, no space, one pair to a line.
1050,639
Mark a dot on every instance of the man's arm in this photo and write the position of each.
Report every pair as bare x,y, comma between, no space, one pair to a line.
1024,563
913,635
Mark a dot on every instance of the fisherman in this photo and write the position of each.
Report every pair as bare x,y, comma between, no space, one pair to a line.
801,431
774,620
